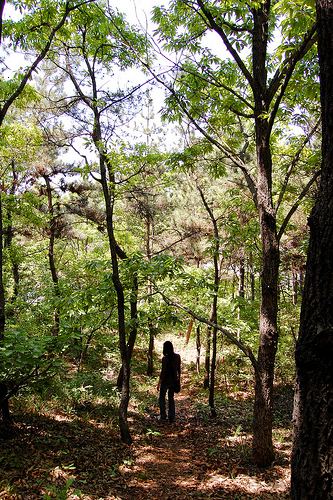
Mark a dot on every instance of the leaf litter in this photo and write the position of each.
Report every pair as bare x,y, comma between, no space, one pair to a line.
52,455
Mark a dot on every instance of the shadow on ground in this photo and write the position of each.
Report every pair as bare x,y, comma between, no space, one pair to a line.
80,455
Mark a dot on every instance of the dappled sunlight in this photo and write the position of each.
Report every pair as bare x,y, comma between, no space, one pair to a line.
194,456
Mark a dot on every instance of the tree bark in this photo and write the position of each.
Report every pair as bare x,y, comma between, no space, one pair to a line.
312,457
213,317
149,251
52,264
198,346
133,330
262,418
150,353
206,381
9,238
4,405
263,453
241,284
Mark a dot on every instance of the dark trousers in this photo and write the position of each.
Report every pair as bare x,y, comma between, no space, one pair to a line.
171,402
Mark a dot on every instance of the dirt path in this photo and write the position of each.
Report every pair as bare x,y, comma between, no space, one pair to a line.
79,456
198,458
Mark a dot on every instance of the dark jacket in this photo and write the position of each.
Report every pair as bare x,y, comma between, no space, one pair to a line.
171,369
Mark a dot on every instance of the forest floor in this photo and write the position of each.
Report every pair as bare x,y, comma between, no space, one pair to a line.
65,456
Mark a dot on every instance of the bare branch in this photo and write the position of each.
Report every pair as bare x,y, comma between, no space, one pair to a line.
294,163
297,203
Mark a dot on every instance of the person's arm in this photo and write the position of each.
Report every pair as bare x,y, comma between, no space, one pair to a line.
161,374
179,367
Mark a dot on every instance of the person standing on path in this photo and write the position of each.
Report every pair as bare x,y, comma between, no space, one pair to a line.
169,381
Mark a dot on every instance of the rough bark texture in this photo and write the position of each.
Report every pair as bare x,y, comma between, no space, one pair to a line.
262,419
312,459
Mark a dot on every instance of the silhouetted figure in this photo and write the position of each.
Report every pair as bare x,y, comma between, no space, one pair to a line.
169,381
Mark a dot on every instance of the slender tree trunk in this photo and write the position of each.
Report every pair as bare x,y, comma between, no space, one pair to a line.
108,186
213,317
151,342
252,279
198,346
4,405
52,264
9,239
294,284
206,381
150,354
241,284
312,457
241,290
125,361
134,328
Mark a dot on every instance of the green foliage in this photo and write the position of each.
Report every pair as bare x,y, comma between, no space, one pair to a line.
24,358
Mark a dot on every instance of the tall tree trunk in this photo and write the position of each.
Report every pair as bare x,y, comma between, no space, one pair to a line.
52,264
252,279
263,453
312,457
4,405
294,285
211,400
108,186
150,353
241,284
134,328
213,317
149,251
241,290
9,239
198,346
206,381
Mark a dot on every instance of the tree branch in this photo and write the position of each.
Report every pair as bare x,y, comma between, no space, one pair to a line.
285,74
293,209
215,27
17,92
293,164
233,338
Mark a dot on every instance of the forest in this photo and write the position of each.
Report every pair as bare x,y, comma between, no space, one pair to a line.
166,175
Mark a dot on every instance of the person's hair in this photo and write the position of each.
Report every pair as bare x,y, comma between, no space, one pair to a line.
168,348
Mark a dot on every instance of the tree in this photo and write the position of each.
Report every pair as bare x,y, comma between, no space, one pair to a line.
93,52
33,31
312,473
216,95
212,331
